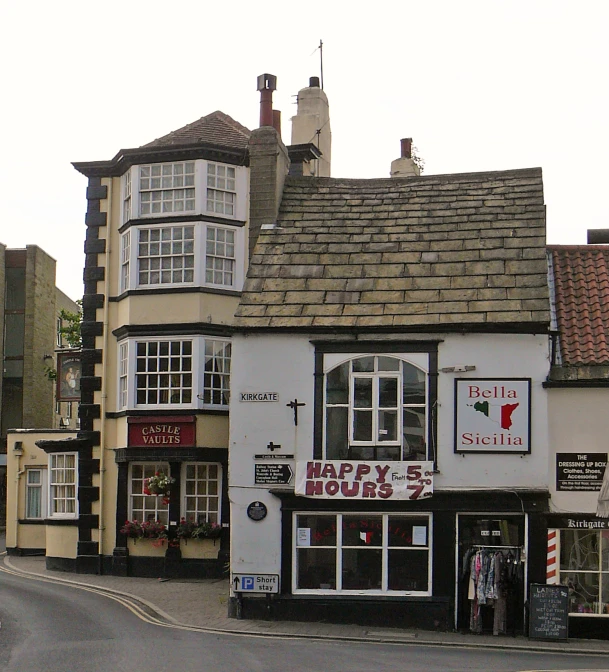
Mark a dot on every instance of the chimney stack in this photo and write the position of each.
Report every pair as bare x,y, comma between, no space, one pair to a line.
405,166
266,85
311,125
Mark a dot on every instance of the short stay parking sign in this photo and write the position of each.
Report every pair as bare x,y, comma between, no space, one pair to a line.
255,583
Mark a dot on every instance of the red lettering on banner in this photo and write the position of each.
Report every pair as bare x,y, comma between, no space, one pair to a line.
385,490
361,471
369,490
381,471
349,491
332,487
314,488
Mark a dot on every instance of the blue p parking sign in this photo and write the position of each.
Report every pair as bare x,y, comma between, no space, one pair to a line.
255,583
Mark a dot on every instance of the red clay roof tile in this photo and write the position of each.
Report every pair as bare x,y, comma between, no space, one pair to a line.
581,296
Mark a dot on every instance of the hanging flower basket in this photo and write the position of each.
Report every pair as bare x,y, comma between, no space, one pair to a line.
159,485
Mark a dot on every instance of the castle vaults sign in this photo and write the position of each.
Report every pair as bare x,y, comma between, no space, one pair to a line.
165,431
493,415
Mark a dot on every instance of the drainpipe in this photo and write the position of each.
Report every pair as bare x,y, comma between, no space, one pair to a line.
18,453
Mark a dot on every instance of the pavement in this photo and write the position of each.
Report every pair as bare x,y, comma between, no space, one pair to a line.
202,605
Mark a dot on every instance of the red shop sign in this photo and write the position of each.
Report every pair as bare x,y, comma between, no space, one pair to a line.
163,431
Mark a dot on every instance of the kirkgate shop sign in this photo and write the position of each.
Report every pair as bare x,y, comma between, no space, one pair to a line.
334,479
493,415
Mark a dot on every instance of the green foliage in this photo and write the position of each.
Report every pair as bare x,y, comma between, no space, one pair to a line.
50,372
70,328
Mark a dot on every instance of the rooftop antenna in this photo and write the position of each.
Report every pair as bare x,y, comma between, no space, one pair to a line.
321,63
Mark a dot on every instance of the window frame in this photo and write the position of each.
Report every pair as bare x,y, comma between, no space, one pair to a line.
384,547
231,265
131,201
126,390
601,575
52,484
160,507
184,496
42,487
421,360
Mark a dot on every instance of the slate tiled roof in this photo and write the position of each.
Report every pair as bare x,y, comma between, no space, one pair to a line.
581,299
434,250
216,128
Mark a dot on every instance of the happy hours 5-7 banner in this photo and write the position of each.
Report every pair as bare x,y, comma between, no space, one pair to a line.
493,415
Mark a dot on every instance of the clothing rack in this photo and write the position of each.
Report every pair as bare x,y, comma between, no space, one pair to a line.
483,546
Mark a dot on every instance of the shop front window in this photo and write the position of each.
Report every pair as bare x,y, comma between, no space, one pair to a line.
143,507
584,568
362,553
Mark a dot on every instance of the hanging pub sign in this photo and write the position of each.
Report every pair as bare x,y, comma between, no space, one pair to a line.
68,376
580,472
336,479
493,415
167,431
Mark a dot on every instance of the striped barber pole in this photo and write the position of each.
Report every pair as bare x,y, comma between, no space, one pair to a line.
551,565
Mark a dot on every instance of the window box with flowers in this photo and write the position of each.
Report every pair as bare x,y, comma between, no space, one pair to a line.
150,534
198,540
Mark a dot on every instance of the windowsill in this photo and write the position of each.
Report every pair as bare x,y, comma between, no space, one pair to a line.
165,218
72,521
31,521
168,411
176,289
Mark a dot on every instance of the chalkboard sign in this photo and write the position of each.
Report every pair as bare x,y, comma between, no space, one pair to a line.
548,612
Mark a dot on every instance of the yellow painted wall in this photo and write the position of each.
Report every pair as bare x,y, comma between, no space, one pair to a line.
24,535
61,541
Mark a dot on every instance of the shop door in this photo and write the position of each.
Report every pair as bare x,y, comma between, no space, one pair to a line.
491,574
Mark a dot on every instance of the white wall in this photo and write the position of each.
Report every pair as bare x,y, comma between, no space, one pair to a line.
579,423
285,364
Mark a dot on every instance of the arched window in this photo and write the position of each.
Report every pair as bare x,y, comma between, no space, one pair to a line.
375,409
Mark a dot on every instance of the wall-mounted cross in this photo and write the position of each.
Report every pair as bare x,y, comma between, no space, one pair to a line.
273,446
294,404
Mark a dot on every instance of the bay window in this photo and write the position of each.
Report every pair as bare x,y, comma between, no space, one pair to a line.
362,553
174,372
184,188
197,254
375,407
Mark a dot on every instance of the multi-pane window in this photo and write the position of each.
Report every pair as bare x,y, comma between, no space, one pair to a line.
355,553
59,335
202,486
123,374
164,372
375,409
127,196
166,255
34,494
62,485
69,410
166,188
221,193
125,260
220,256
584,568
216,379
144,507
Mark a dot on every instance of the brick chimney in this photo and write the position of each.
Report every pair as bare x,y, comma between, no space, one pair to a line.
405,166
311,125
269,164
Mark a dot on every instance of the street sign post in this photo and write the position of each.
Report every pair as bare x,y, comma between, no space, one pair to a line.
272,474
255,583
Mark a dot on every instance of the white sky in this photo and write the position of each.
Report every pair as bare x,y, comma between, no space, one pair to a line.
487,85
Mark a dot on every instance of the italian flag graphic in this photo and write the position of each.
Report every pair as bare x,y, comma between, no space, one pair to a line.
499,413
